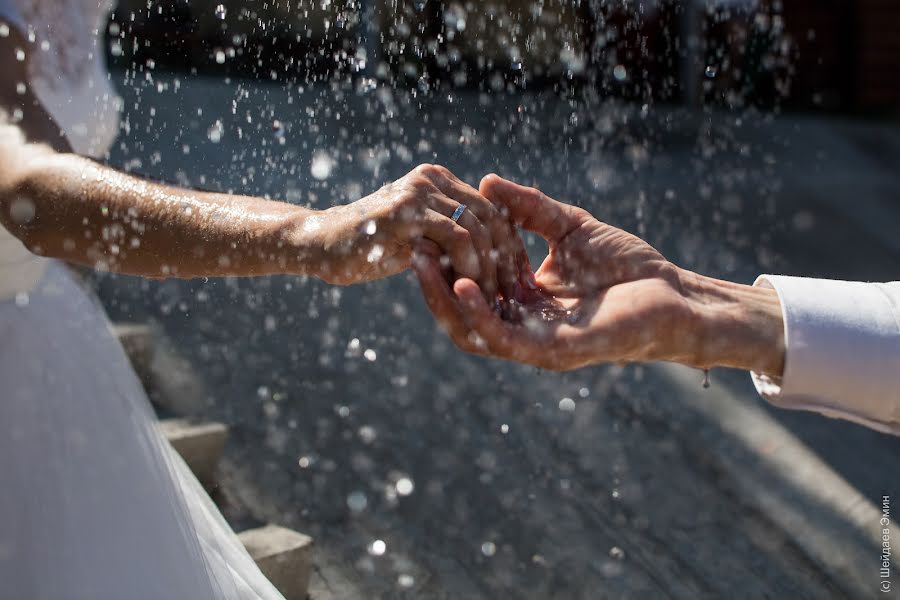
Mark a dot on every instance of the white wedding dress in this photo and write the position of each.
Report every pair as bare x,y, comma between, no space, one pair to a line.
93,502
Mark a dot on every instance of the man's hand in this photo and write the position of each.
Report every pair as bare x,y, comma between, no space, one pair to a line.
601,295
374,237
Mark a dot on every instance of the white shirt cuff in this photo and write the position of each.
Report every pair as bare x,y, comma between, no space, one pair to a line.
842,350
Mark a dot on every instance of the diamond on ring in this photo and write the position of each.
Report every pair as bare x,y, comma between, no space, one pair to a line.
458,212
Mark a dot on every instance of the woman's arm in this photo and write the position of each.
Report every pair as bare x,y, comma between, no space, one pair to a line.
68,207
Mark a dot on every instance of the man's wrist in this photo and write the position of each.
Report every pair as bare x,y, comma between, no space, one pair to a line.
733,325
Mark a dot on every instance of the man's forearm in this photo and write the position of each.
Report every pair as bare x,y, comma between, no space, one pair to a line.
68,207
733,325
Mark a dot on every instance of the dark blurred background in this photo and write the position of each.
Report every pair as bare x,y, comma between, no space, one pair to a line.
824,55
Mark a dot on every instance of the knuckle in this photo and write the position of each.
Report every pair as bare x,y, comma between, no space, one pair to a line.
462,236
441,170
408,199
418,182
426,170
580,213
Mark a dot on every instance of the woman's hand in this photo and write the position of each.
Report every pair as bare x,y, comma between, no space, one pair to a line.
374,237
604,295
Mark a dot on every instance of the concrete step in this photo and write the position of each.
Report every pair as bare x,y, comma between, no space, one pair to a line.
169,379
284,557
200,444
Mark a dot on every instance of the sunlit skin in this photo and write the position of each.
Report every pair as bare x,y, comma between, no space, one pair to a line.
65,206
603,295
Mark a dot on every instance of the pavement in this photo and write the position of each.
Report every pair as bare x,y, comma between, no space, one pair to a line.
652,486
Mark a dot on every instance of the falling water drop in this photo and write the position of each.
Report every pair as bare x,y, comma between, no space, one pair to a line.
279,131
705,379
215,132
567,405
221,12
357,501
404,486
321,165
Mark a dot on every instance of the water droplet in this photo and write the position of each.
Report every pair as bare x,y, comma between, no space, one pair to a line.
370,355
366,85
22,299
371,227
567,405
304,462
377,548
278,129
20,54
620,73
488,548
4,30
367,434
321,165
220,57
617,553
22,210
221,12
705,379
375,253
504,429
215,132
357,502
710,71
584,392
404,486
406,581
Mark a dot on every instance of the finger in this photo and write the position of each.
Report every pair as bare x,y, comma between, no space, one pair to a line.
454,239
482,239
440,299
505,240
501,338
484,245
529,207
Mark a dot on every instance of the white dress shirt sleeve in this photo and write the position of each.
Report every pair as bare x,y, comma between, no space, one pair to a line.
842,350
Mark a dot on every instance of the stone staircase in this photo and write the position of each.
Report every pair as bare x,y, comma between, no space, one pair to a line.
283,555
